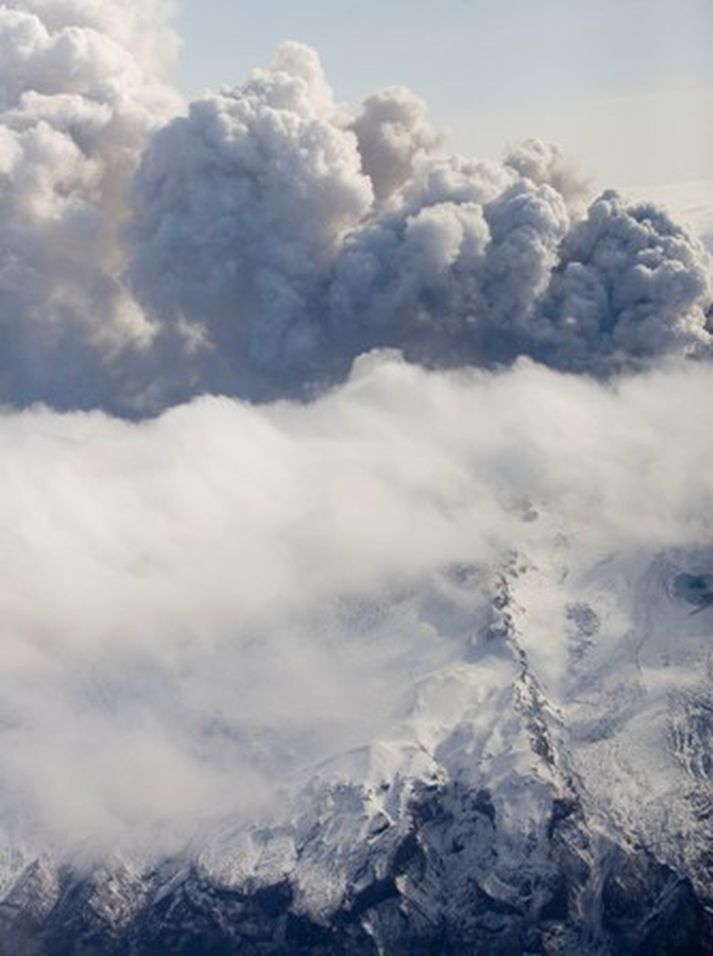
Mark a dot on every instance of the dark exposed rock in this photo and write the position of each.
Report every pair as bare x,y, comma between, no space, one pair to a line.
618,902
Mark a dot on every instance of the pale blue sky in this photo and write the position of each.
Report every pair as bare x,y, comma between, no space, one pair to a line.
626,85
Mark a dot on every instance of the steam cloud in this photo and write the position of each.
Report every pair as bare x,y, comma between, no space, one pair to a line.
183,596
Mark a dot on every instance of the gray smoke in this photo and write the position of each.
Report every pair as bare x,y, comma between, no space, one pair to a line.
543,163
278,239
260,242
630,285
393,134
245,204
451,273
79,98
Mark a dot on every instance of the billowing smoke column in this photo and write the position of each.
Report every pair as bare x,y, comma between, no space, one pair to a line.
79,96
244,206
282,239
268,237
629,285
393,133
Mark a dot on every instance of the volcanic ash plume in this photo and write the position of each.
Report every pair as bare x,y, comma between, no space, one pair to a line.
79,98
258,243
277,238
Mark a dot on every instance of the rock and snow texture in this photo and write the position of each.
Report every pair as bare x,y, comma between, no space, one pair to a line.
518,806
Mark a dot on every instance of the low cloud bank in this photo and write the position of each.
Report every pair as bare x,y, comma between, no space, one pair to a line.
198,607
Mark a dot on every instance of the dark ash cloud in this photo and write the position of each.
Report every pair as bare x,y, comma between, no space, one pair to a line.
259,242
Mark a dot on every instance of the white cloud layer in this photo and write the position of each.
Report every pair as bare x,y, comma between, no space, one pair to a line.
198,607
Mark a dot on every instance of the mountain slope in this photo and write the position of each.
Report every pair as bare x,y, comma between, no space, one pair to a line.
520,801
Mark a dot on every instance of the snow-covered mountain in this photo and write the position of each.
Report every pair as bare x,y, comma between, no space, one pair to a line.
515,803
355,498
